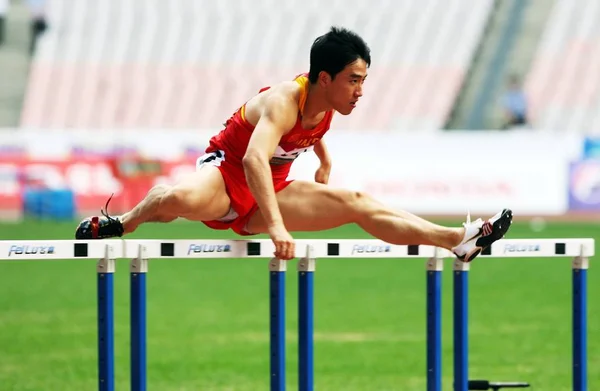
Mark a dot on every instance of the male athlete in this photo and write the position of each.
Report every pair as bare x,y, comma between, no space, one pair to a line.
241,182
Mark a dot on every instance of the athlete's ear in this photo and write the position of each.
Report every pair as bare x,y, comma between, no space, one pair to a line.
324,79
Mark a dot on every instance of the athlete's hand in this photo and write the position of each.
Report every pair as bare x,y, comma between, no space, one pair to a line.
322,174
285,248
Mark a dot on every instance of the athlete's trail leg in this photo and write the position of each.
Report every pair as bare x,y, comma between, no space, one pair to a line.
146,210
199,196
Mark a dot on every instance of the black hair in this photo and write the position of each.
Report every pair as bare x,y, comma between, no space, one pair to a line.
334,50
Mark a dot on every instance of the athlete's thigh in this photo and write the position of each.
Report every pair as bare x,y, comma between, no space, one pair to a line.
309,206
203,194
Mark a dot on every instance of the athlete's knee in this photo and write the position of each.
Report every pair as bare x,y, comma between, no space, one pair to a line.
162,196
174,197
358,204
159,190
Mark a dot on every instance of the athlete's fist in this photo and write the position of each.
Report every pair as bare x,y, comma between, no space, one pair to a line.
322,174
285,248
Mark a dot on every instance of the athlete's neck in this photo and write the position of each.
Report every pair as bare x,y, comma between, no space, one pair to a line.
316,103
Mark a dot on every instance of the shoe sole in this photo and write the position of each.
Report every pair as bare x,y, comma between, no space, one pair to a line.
500,227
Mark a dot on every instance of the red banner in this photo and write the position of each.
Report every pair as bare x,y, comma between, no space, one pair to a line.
92,179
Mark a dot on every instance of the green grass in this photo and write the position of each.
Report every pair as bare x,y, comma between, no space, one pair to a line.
208,320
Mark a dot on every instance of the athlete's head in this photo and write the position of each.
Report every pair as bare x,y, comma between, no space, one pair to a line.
339,61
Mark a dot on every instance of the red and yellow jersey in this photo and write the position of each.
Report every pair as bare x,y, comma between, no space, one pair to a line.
234,139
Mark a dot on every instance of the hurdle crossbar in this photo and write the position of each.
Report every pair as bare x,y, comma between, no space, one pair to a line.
140,251
264,248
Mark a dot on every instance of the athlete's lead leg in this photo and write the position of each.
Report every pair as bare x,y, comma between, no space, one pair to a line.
308,206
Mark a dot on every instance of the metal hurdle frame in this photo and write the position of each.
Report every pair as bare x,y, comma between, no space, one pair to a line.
139,251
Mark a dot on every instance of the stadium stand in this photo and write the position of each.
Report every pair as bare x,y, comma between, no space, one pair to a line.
186,64
563,84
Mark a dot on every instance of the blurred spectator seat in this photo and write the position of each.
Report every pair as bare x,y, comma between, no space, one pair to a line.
190,63
563,84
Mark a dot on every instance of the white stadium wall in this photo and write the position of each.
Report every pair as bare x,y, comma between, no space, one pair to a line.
433,174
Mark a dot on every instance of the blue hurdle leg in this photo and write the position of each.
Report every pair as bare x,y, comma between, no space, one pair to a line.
434,324
461,339
277,270
580,266
106,325
138,271
306,269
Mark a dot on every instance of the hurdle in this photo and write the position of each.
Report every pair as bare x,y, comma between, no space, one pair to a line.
307,251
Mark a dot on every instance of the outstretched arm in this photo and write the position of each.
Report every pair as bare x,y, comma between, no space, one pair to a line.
277,118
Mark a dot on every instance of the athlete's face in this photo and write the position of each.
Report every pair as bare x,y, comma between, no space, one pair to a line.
345,90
